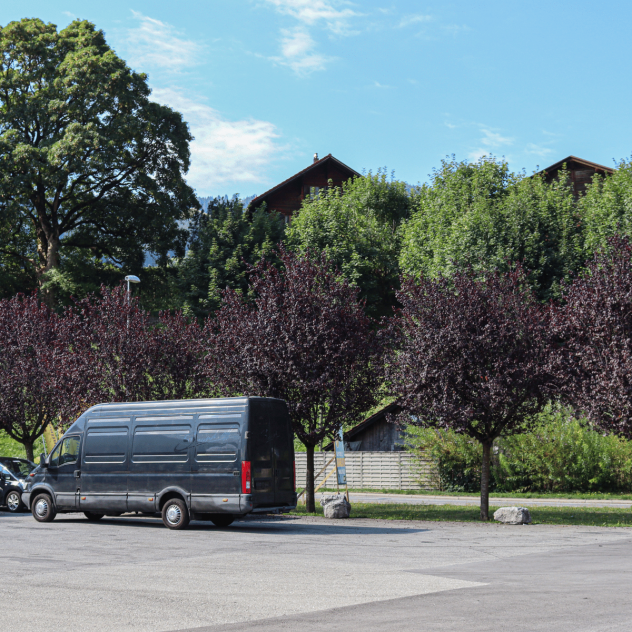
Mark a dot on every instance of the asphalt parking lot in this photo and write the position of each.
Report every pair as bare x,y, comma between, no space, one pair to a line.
311,574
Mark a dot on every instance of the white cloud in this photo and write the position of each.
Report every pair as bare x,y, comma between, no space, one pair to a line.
455,29
314,11
491,141
383,86
408,20
494,140
297,52
223,151
155,43
538,150
298,48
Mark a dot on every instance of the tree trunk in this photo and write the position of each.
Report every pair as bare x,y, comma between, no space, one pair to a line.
309,481
48,251
28,447
487,450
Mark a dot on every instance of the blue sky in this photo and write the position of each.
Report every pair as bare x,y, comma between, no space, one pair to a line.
400,84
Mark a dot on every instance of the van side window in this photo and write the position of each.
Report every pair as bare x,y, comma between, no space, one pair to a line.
106,445
217,443
161,444
69,450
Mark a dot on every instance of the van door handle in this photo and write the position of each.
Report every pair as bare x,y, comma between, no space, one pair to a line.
77,473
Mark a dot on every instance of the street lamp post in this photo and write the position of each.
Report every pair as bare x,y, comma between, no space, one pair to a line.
131,278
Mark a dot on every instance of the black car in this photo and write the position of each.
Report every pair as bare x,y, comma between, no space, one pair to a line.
13,476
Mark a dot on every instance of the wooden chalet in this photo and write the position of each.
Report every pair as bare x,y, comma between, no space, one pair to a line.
375,434
581,172
287,197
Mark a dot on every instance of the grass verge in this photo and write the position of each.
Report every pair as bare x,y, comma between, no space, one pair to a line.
588,516
425,492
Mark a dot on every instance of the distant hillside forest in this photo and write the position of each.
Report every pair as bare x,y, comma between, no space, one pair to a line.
376,229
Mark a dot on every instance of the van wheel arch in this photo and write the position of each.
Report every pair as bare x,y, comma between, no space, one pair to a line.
170,496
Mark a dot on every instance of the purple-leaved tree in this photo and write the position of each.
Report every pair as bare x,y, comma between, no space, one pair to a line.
594,326
304,339
137,358
45,368
470,355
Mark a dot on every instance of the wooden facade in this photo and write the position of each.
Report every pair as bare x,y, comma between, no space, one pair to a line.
287,197
581,172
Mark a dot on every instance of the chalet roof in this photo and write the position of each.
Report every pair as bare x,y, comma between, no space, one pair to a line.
260,198
367,423
581,161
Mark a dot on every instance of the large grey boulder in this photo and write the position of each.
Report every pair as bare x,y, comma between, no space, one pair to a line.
512,515
335,505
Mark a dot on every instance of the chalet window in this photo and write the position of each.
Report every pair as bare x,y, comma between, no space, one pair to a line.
584,175
312,192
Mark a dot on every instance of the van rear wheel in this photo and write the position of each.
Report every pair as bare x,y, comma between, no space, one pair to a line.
90,515
175,514
222,520
42,508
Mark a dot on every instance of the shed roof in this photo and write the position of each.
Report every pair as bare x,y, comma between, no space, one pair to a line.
367,423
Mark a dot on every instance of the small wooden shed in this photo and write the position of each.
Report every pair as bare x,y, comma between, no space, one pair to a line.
375,434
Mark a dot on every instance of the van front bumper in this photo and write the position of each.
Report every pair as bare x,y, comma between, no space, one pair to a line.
26,499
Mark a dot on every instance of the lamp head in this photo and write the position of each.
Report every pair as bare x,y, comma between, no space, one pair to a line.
132,278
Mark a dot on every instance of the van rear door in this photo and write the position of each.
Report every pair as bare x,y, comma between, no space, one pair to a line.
271,450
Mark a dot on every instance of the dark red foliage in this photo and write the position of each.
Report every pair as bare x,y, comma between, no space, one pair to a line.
305,339
470,355
45,369
595,329
137,359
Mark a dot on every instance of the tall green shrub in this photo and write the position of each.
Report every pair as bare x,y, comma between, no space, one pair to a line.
561,454
483,216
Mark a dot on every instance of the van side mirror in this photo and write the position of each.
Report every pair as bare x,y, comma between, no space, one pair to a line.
42,462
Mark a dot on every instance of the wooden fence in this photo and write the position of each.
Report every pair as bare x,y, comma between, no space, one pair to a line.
372,470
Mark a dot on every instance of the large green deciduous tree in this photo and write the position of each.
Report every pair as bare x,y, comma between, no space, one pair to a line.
357,226
87,161
483,216
225,241
607,208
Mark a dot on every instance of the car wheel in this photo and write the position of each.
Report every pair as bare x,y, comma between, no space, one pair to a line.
13,501
90,515
175,514
222,520
43,509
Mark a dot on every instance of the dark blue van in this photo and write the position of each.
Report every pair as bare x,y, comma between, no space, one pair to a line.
207,459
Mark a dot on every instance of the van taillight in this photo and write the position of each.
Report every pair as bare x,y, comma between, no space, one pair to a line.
246,477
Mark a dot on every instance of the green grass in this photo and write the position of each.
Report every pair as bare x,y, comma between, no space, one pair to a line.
10,447
425,492
589,516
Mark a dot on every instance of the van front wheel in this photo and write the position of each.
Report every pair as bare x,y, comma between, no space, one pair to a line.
42,508
175,514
